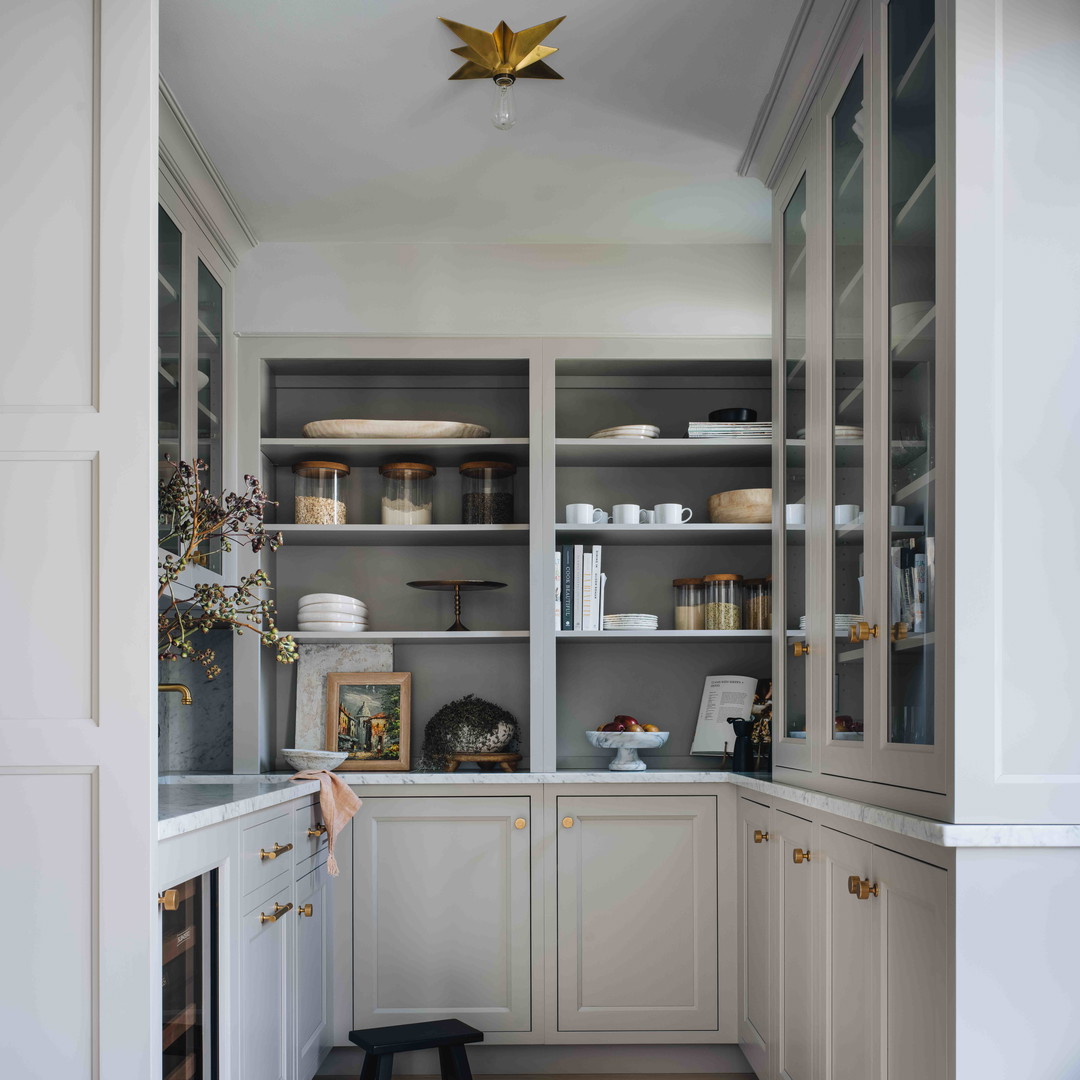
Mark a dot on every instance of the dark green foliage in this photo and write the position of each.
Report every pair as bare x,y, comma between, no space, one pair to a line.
460,724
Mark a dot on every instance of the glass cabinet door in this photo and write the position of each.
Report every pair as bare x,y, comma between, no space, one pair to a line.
170,426
793,411
209,406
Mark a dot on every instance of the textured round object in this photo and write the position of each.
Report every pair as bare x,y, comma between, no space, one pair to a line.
313,759
471,740
744,506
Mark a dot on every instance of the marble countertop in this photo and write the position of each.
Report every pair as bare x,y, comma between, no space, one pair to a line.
189,802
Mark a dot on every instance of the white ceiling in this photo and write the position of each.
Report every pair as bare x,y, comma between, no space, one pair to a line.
333,119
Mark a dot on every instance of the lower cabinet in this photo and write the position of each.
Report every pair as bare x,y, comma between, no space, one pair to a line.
442,907
311,984
265,940
853,939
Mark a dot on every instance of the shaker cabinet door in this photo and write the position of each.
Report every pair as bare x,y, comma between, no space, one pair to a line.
312,929
264,951
442,912
637,920
755,918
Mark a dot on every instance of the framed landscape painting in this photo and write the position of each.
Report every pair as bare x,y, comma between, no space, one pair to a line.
367,716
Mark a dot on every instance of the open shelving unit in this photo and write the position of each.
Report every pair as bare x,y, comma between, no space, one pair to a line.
541,399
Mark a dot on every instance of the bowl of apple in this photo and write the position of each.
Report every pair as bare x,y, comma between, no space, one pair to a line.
626,736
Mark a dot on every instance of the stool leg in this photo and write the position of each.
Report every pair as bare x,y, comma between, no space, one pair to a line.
454,1063
386,1067
370,1064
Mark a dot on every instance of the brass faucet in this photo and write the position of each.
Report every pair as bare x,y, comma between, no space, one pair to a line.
176,688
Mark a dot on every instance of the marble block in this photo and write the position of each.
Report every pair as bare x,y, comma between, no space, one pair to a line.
315,663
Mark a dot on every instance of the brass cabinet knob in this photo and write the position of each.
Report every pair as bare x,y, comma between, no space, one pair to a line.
318,830
853,884
801,648
305,911
800,856
861,888
520,823
861,631
567,822
278,849
169,900
899,631
760,837
279,910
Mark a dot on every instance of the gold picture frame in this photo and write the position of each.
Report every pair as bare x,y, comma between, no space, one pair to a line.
368,714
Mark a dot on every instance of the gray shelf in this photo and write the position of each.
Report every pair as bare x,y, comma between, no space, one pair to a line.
691,534
402,535
363,452
613,637
413,637
704,453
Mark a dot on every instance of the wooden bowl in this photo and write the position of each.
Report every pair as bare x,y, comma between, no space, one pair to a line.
746,506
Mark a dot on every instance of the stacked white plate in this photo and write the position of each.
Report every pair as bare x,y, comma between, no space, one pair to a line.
631,622
841,623
704,429
628,431
332,613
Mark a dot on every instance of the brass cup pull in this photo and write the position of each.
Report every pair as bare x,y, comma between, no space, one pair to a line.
279,849
319,830
760,837
800,648
800,856
520,823
567,822
861,631
305,911
169,900
279,910
861,888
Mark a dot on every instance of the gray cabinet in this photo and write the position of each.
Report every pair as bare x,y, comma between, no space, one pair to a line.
264,986
442,911
637,913
311,966
755,907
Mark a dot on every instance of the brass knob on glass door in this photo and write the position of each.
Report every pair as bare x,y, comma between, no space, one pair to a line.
278,849
760,837
169,900
862,890
520,823
279,910
318,830
861,631
801,648
567,822
800,856
305,911
899,631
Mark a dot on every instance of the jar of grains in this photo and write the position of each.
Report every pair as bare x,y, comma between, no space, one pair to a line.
757,603
689,603
406,495
723,602
319,492
487,492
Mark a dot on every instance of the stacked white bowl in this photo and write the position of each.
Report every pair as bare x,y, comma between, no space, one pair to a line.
332,613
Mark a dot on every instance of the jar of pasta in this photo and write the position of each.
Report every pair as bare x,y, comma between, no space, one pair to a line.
723,602
319,492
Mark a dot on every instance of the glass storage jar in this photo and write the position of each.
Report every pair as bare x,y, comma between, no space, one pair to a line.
319,492
757,603
487,492
689,603
406,494
723,602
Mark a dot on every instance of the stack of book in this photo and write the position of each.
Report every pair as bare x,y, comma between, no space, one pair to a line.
707,429
579,587
912,570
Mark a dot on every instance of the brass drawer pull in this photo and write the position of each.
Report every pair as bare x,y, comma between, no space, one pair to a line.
800,856
319,830
279,849
279,910
760,837
305,911
169,900
520,823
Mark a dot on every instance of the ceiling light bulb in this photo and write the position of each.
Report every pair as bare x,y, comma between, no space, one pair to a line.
503,115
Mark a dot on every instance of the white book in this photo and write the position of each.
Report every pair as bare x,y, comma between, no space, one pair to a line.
603,597
558,589
579,551
723,696
587,591
596,622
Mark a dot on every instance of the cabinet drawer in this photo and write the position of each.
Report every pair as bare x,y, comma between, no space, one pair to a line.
266,850
308,820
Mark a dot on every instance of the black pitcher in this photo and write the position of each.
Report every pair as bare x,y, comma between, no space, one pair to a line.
742,757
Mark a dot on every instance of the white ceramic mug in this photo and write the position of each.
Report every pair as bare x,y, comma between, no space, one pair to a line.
845,513
897,515
795,514
648,517
626,514
672,513
585,514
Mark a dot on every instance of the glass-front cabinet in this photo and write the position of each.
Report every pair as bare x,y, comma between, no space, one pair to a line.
193,306
862,638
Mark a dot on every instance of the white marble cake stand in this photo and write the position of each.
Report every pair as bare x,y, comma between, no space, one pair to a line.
627,743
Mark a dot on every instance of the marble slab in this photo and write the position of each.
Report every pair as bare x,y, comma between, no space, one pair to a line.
185,807
314,664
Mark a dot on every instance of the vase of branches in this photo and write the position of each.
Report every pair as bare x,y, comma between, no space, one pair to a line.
199,525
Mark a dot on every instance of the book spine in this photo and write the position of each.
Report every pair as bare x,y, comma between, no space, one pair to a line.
567,587
603,599
579,552
587,591
558,589
597,617
919,604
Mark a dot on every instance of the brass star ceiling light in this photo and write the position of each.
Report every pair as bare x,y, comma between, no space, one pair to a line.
504,57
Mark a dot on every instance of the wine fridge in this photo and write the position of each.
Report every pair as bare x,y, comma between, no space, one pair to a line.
189,979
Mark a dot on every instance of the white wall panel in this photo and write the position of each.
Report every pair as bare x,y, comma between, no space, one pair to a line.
47,586
47,138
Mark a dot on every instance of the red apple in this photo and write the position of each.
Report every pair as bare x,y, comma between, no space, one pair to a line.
615,725
626,721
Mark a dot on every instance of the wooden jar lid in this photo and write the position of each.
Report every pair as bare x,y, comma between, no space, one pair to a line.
313,468
406,466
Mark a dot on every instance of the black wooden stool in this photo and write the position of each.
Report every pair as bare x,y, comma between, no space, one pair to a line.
447,1036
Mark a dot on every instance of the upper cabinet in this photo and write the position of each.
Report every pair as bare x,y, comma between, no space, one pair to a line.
861,368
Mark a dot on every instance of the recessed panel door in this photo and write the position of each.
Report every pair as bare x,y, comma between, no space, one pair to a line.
755,927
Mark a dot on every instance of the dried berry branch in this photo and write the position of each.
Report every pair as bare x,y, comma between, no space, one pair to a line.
200,526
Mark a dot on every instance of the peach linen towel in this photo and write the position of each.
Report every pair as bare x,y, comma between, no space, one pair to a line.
338,802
